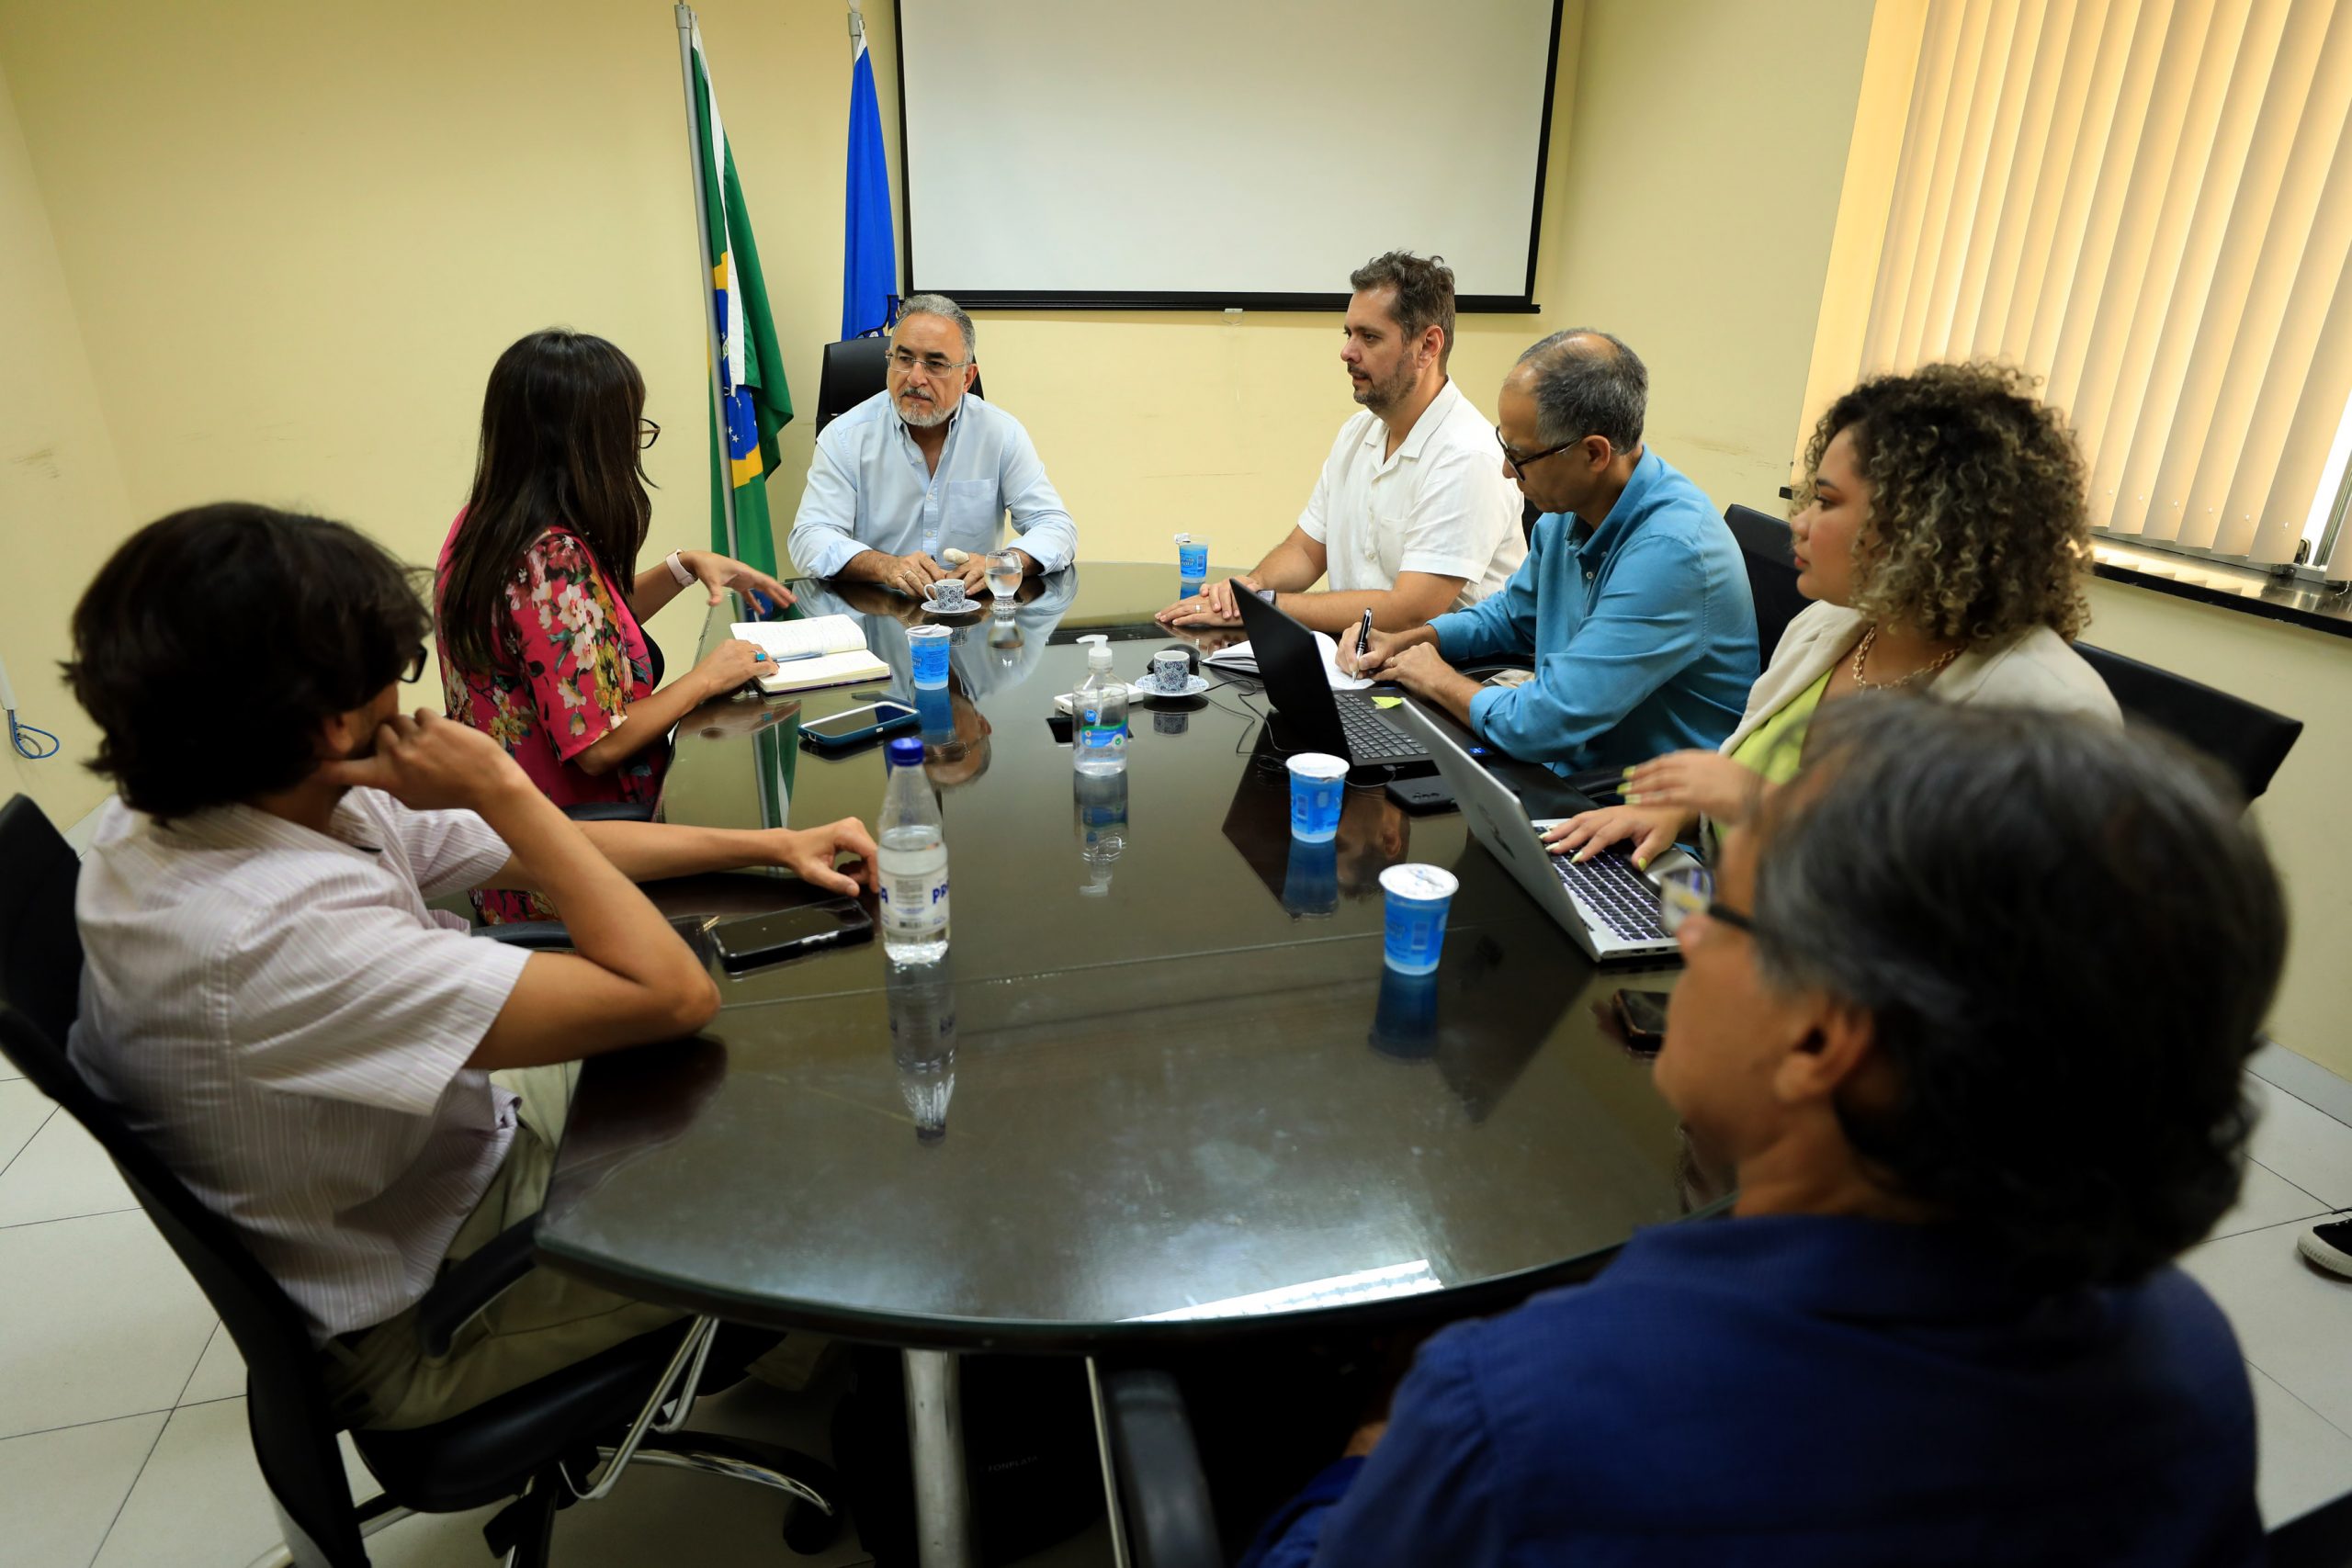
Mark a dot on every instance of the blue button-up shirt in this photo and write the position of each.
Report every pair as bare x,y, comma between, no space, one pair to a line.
870,488
1811,1391
1643,634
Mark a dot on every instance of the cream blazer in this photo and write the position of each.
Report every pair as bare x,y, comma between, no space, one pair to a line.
2034,670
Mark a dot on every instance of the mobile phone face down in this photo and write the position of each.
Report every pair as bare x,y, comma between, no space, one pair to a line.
789,934
855,726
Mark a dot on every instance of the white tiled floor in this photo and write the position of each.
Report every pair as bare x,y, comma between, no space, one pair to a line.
122,1418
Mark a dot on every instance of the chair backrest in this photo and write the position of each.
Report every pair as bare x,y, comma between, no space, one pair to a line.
1528,513
40,970
1771,574
853,372
2245,738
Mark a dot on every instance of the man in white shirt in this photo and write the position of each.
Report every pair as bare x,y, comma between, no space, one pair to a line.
267,998
923,467
1412,515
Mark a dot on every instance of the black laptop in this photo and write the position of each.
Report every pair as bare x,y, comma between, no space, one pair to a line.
1314,717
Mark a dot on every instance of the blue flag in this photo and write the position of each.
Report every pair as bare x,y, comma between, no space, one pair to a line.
869,256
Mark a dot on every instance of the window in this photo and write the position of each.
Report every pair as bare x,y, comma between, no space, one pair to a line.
2148,204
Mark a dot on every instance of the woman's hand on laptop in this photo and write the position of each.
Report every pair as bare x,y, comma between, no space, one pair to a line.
430,763
1651,829
1707,782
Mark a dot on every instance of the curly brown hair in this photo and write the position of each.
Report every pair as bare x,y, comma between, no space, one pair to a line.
1979,516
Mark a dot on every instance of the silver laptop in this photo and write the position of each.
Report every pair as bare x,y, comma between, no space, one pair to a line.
1606,906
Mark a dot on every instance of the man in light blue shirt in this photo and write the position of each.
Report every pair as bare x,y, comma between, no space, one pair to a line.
1633,599
920,469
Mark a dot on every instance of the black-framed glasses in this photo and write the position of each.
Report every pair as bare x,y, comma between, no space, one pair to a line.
648,432
1519,465
415,671
1691,890
929,364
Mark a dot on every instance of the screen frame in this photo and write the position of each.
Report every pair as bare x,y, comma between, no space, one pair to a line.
1522,303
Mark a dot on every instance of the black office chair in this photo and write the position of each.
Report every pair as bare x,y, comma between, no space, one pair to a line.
2245,738
562,1438
1528,513
2321,1539
1771,574
853,372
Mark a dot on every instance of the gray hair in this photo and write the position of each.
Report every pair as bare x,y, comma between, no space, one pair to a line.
1581,389
2033,910
938,305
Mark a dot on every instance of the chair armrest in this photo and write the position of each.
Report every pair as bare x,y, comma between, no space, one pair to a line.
610,811
1163,1495
472,1282
527,934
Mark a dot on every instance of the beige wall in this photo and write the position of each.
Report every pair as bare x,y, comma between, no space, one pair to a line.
61,500
2309,675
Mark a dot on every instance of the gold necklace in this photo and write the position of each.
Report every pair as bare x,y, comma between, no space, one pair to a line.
1862,653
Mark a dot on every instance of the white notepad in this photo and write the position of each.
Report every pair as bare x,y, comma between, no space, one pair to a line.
1242,659
838,641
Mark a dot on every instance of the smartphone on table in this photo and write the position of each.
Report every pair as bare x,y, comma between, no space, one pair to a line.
789,934
853,727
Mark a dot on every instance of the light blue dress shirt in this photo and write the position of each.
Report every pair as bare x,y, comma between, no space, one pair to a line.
870,488
1643,635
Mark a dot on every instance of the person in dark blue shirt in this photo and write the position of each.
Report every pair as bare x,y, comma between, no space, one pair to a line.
1966,1009
1633,601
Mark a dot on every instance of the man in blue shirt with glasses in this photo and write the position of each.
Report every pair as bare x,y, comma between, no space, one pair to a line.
924,466
1633,599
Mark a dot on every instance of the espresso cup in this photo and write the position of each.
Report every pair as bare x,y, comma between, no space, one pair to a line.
1171,671
947,594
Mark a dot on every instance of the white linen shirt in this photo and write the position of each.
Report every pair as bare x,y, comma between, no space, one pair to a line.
279,1016
870,489
1440,503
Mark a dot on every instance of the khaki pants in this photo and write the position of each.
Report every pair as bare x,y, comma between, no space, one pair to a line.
544,1322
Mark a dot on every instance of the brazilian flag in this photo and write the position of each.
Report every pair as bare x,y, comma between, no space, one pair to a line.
750,366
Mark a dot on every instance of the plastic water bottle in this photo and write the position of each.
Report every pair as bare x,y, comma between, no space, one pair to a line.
914,861
922,1042
1099,715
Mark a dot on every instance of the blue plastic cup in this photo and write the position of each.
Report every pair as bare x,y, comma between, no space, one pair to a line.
1311,880
937,714
1318,784
1192,557
928,645
1419,896
1404,1024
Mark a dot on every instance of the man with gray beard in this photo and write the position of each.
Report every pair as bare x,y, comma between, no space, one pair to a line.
925,467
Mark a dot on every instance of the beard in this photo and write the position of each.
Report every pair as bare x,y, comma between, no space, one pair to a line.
923,415
1381,396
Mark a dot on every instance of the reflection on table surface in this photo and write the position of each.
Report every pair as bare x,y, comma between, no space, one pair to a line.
1162,1067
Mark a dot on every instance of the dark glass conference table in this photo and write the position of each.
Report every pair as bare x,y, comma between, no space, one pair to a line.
1161,1088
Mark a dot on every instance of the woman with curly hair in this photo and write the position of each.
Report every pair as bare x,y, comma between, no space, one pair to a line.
1942,525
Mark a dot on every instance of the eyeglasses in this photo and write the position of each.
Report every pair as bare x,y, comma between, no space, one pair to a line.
648,432
933,365
415,671
1689,891
1519,465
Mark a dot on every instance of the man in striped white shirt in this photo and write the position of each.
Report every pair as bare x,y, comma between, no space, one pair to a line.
271,1004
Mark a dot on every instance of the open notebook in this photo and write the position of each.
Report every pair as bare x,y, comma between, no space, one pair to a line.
837,640
1243,659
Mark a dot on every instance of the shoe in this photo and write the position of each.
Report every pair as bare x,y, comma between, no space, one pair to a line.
2329,1245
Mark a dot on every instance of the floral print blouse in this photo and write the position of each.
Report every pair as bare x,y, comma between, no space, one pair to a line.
571,659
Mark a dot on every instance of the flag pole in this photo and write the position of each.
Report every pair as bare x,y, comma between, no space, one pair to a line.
725,477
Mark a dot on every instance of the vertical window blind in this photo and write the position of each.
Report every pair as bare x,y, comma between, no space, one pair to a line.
2147,203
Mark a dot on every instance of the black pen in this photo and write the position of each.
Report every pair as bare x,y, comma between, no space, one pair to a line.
1363,636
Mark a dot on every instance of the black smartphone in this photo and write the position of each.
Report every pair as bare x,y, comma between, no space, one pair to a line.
856,726
1641,1015
789,934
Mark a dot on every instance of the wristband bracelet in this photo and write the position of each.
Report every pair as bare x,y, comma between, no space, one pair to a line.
678,569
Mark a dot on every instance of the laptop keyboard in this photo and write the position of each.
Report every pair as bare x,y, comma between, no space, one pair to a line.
1612,889
1369,737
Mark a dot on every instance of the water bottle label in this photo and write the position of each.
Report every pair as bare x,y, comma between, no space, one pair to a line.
914,903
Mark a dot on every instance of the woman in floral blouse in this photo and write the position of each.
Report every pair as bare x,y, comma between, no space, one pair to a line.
539,603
